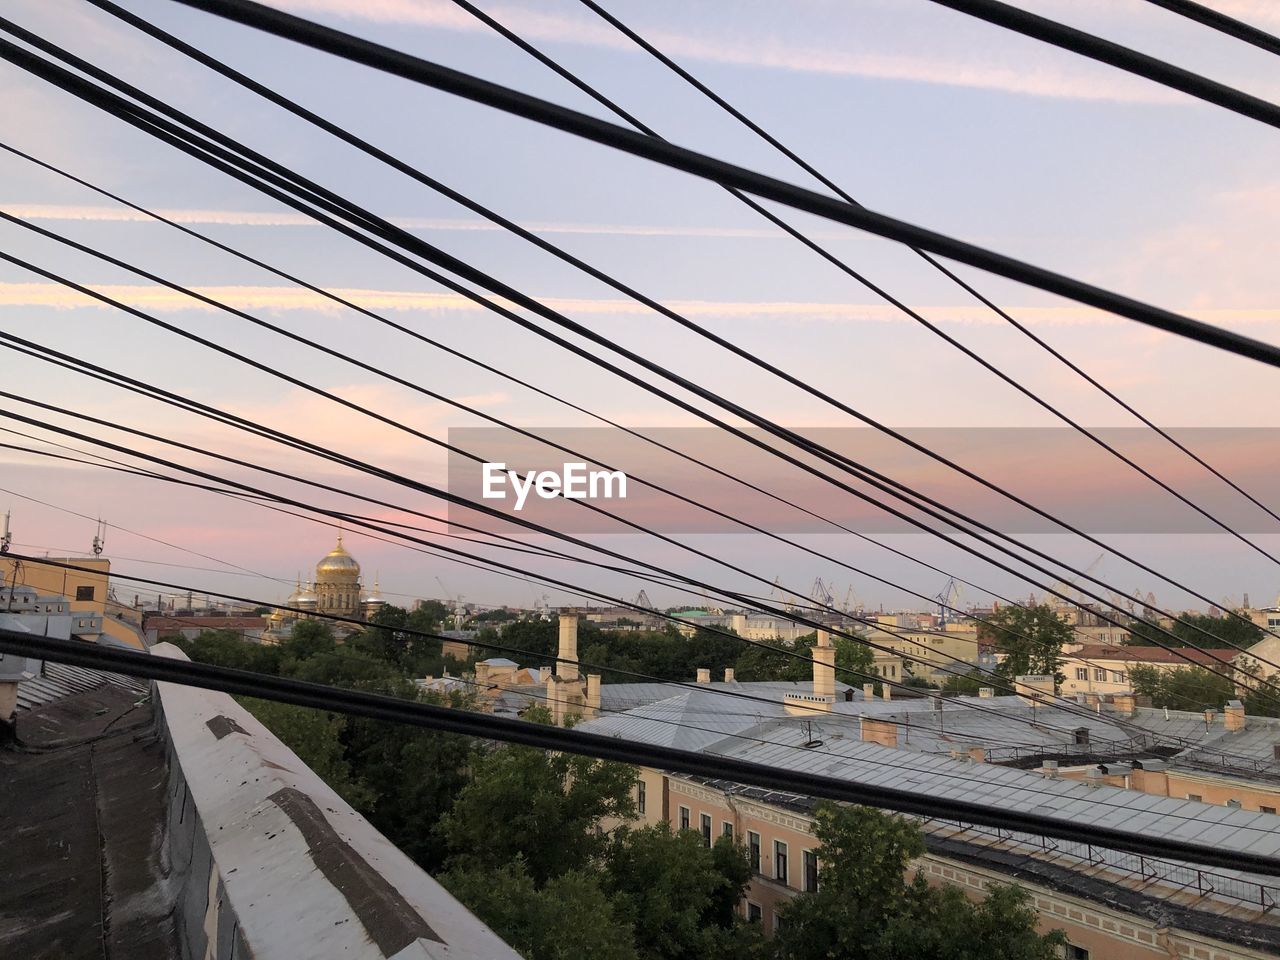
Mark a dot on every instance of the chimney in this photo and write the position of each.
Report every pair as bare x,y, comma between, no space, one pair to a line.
824,666
1233,716
1049,768
878,731
567,660
978,754
886,691
593,697
482,672
986,693
728,675
1035,688
704,675
868,691
1125,704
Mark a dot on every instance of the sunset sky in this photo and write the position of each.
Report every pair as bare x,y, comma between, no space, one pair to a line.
919,112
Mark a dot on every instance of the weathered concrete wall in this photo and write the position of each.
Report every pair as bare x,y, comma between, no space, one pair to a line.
274,865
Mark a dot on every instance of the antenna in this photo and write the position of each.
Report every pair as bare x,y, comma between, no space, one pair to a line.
6,537
99,538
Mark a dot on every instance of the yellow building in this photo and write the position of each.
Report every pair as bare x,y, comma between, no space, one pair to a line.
87,588
1102,668
936,648
336,591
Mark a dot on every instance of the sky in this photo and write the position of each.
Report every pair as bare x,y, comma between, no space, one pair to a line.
917,111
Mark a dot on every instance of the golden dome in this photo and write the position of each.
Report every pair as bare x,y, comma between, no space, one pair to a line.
337,563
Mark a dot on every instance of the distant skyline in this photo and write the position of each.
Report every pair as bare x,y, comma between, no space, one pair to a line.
917,111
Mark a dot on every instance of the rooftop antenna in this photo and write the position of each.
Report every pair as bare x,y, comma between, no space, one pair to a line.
6,536
99,538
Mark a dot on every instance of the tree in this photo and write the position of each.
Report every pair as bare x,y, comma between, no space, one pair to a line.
967,684
1189,631
537,805
567,918
677,893
866,907
1183,688
315,736
412,776
1030,638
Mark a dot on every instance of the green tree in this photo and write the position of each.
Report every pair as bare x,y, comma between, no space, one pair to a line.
316,737
412,777
1183,688
966,684
1189,631
866,907
1030,639
568,918
524,802
677,893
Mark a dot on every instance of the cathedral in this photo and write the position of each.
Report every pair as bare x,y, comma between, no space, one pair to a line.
336,591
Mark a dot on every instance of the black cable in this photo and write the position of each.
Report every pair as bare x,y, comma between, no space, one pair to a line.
511,101
999,682
736,478
402,167
404,239
1217,20
452,554
452,720
844,195
1096,48
371,222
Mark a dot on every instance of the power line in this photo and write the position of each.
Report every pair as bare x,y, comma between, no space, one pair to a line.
511,101
1091,46
1217,20
452,554
366,219
369,221
453,720
936,264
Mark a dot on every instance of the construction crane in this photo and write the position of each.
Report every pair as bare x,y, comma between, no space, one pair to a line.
642,600
821,593
948,601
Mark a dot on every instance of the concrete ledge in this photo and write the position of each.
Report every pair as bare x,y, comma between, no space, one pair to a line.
276,864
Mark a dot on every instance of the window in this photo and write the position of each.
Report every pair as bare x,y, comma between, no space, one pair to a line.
810,871
1270,810
780,861
1194,796
1117,677
684,818
754,913
1072,952
84,593
706,829
726,829
640,797
1082,673
1099,674
753,850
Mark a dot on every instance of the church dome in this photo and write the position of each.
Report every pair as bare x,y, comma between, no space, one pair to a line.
306,597
337,564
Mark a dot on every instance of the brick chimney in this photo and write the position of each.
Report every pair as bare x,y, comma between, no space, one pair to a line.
1125,704
986,693
592,706
1233,716
704,675
824,666
868,691
728,675
567,659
